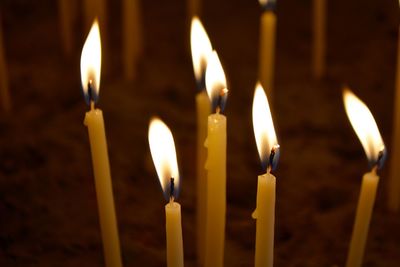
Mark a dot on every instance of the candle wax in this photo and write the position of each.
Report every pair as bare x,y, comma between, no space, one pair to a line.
216,191
105,199
267,51
363,217
174,234
265,216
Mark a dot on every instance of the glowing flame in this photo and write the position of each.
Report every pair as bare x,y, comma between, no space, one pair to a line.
162,148
268,4
91,64
216,82
365,127
264,131
201,49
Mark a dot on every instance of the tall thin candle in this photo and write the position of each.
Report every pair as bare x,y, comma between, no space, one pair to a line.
268,150
162,148
201,50
90,76
367,131
216,164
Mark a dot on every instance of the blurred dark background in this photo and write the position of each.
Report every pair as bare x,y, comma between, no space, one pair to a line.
48,210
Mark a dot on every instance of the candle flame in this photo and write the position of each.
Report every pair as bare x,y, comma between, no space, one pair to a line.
264,132
162,148
91,64
201,49
365,127
216,83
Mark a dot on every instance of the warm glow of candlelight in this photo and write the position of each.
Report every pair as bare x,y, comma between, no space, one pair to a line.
364,125
216,82
91,63
162,148
263,126
201,48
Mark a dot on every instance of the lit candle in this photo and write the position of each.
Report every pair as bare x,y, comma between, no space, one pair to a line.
318,60
4,90
367,131
216,164
90,76
132,37
65,9
162,148
267,45
394,175
268,150
201,49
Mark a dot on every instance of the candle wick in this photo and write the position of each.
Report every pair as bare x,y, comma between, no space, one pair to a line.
91,105
172,190
218,110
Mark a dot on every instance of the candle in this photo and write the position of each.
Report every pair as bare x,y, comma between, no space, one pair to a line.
132,37
201,49
267,45
216,164
162,148
66,21
90,76
5,93
394,175
319,38
367,131
268,150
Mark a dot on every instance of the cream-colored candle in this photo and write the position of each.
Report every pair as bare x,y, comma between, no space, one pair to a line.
90,76
268,150
267,46
65,9
4,90
132,37
201,49
216,165
367,131
394,175
319,43
163,153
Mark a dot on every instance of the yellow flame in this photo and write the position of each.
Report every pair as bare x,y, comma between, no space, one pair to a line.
162,148
91,59
263,126
201,47
215,77
363,124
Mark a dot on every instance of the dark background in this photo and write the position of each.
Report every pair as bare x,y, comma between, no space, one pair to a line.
48,209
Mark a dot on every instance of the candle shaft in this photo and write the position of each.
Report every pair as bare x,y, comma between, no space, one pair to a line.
132,37
267,51
174,235
363,217
265,216
203,110
394,176
4,90
105,199
216,191
66,20
319,38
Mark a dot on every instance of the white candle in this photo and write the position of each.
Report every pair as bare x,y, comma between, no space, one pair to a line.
367,131
90,75
132,37
216,165
162,148
318,65
4,90
267,146
201,49
267,45
394,175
